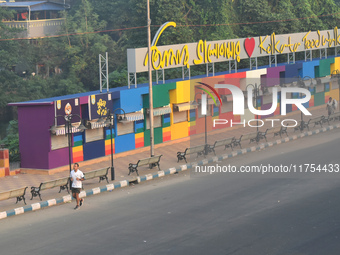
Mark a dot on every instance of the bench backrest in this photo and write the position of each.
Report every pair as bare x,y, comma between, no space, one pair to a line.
147,161
101,172
195,149
90,175
47,185
96,173
12,193
317,119
61,181
224,142
249,136
335,115
275,130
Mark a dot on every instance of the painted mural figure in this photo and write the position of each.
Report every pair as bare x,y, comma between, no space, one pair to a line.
332,104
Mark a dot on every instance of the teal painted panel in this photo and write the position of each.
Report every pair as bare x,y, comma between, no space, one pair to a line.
158,132
325,67
160,95
319,98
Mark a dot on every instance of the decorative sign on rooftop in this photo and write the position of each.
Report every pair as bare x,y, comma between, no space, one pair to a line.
204,52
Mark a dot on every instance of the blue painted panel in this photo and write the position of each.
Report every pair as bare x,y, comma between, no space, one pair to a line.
124,142
139,124
78,137
94,149
166,118
131,100
292,71
308,68
108,132
326,87
216,109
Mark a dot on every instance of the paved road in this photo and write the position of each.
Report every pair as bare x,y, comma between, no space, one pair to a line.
199,214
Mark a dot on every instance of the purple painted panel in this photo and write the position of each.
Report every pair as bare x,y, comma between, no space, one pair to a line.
273,75
84,100
58,158
266,107
34,135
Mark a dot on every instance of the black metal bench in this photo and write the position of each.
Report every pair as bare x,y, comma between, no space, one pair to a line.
228,142
18,193
197,149
101,173
152,161
302,125
250,136
317,121
280,131
62,183
261,135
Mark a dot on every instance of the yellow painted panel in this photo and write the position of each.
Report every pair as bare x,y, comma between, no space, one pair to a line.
4,163
193,84
139,135
173,96
108,142
179,130
183,91
334,93
78,148
335,65
2,172
166,129
192,123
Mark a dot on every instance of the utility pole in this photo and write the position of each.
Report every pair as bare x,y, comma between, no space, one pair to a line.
150,81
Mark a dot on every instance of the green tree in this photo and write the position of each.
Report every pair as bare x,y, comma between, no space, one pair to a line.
11,141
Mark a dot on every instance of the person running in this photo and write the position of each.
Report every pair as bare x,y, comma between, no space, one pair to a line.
76,177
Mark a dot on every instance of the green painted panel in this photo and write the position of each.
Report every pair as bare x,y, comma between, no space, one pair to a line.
147,138
139,130
325,66
319,98
166,124
160,95
317,71
79,143
158,132
158,136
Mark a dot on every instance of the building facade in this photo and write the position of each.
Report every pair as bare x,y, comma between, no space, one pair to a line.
174,115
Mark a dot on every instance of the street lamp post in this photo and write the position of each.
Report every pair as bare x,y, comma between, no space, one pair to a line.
152,152
109,122
256,89
68,131
205,125
301,84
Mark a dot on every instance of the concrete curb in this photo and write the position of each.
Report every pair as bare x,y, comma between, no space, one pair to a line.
173,170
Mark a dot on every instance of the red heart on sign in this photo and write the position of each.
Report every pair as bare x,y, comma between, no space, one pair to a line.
249,45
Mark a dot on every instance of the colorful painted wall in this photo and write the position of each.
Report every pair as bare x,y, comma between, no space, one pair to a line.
174,117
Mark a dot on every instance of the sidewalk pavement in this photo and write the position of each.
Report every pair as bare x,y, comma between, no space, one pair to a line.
121,161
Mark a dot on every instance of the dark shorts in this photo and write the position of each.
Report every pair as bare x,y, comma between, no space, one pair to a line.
76,190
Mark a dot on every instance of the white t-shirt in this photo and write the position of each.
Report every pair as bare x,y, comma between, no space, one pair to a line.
74,175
